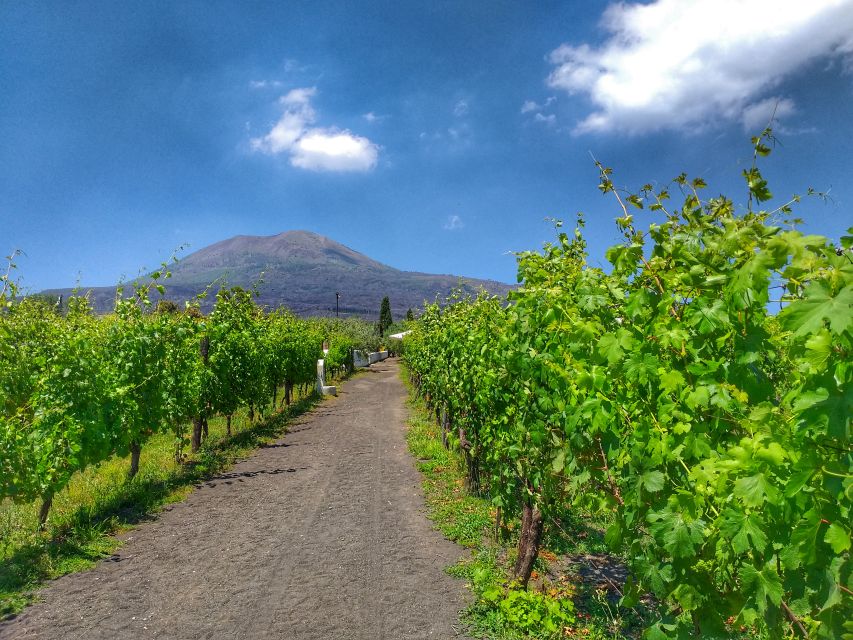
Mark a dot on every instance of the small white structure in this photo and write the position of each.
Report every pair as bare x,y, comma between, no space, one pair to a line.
376,356
360,359
399,336
322,388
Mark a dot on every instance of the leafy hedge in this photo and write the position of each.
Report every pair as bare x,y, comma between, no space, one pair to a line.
76,389
667,391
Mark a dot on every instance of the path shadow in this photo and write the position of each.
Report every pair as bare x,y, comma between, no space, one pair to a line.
240,475
284,445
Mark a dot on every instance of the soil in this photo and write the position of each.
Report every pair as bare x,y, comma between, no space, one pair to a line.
322,534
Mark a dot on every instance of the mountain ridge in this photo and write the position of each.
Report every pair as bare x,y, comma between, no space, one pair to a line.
301,270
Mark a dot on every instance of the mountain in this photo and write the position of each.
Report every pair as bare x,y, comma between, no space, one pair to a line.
301,270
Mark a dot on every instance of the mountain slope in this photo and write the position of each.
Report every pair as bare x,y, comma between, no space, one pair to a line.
302,271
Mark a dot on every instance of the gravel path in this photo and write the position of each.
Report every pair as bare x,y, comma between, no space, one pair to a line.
320,535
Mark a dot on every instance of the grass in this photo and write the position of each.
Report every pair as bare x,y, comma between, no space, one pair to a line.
100,502
558,603
459,516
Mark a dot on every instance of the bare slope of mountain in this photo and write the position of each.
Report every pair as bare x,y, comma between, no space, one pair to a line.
302,271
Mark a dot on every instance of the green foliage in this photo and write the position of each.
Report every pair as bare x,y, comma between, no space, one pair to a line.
76,389
491,615
665,391
528,613
385,319
345,335
497,612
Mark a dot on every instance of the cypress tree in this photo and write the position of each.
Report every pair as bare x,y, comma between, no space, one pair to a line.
385,320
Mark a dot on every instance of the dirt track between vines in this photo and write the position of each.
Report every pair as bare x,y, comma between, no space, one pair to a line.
321,535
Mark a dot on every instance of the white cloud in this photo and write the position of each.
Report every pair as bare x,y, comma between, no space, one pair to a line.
549,119
334,150
263,84
757,115
315,148
673,64
372,117
453,223
460,109
299,97
530,105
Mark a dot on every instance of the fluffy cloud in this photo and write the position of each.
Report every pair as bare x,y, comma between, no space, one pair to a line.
453,223
332,150
315,148
678,64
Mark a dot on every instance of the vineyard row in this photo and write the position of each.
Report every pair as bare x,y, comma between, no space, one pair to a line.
664,393
77,389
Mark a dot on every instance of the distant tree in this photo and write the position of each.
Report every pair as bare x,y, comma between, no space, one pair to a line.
410,314
166,306
385,319
48,300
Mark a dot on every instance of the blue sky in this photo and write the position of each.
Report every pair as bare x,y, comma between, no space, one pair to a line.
431,136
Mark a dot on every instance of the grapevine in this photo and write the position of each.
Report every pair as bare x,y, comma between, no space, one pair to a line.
665,392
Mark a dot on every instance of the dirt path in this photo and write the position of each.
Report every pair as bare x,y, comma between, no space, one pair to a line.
320,535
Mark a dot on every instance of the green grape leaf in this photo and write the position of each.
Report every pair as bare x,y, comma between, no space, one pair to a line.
831,594
671,380
679,535
559,461
796,482
755,489
641,369
745,531
710,317
609,348
613,535
837,538
833,411
687,596
818,348
805,535
659,631
807,316
764,585
652,481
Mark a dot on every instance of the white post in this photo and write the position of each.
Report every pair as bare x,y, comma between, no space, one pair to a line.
322,388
